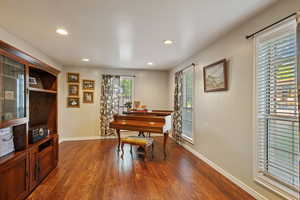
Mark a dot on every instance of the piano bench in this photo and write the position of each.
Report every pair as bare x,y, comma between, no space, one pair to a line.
145,143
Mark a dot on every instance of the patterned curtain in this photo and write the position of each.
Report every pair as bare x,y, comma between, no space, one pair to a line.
109,102
178,101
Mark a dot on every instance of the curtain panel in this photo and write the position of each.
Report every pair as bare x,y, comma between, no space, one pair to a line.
109,102
178,103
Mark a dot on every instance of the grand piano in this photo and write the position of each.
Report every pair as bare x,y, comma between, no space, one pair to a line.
143,123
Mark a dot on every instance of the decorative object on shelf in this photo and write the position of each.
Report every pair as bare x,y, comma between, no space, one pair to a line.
36,133
73,90
6,141
73,102
88,84
35,82
136,104
72,77
215,76
128,105
32,81
9,95
88,97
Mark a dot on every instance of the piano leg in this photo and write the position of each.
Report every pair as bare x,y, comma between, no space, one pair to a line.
166,135
119,139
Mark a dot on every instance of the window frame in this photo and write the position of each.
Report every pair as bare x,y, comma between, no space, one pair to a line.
186,138
272,184
132,93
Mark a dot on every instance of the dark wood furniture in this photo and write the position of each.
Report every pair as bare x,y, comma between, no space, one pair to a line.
22,107
152,113
142,123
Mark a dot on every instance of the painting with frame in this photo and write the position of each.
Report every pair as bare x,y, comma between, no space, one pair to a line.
215,76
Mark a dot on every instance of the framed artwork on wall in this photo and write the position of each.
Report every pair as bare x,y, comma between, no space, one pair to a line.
215,76
88,97
73,102
72,77
88,84
73,90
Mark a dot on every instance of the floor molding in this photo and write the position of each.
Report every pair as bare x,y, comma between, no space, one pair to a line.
66,139
229,176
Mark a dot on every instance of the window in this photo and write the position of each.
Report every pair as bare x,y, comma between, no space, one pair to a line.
126,93
277,122
187,108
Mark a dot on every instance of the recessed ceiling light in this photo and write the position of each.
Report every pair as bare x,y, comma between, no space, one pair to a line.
85,59
62,31
150,63
168,42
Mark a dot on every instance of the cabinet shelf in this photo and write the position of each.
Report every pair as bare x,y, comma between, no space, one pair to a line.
42,90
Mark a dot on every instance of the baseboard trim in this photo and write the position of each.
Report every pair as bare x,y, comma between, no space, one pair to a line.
229,176
66,139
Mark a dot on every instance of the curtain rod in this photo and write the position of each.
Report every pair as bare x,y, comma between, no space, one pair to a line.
193,64
119,75
275,23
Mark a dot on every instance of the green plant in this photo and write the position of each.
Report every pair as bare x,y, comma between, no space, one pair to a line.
128,105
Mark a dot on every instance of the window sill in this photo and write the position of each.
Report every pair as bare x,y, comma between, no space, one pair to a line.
276,187
187,139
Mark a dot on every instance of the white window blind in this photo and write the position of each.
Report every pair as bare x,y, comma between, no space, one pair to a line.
277,122
187,109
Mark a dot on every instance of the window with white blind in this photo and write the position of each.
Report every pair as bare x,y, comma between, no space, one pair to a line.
277,122
187,108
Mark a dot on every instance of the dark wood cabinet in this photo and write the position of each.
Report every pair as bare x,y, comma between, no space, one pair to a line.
34,173
14,176
24,109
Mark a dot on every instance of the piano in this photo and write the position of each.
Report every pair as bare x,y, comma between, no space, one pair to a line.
148,112
143,123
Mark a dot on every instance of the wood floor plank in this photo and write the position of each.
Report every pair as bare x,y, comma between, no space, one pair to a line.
92,170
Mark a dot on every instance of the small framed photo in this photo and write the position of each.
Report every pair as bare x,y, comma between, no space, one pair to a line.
72,77
88,84
73,90
73,102
88,97
215,76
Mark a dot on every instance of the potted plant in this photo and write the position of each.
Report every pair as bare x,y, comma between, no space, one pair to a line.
128,105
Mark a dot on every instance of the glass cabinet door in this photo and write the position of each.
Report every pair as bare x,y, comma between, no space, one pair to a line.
12,89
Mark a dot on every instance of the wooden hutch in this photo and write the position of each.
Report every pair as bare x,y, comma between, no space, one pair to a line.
21,108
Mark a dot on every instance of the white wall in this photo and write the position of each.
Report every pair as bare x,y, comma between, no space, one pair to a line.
150,87
223,130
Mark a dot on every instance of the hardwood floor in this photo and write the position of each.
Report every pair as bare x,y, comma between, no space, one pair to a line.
92,170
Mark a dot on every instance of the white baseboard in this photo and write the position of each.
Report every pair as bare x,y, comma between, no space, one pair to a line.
233,179
65,139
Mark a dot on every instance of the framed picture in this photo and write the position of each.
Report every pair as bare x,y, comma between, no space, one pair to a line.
88,84
73,90
73,102
72,77
88,97
215,76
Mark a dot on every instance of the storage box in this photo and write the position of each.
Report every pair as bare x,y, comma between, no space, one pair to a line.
6,141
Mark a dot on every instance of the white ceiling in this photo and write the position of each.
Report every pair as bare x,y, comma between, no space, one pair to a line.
123,33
